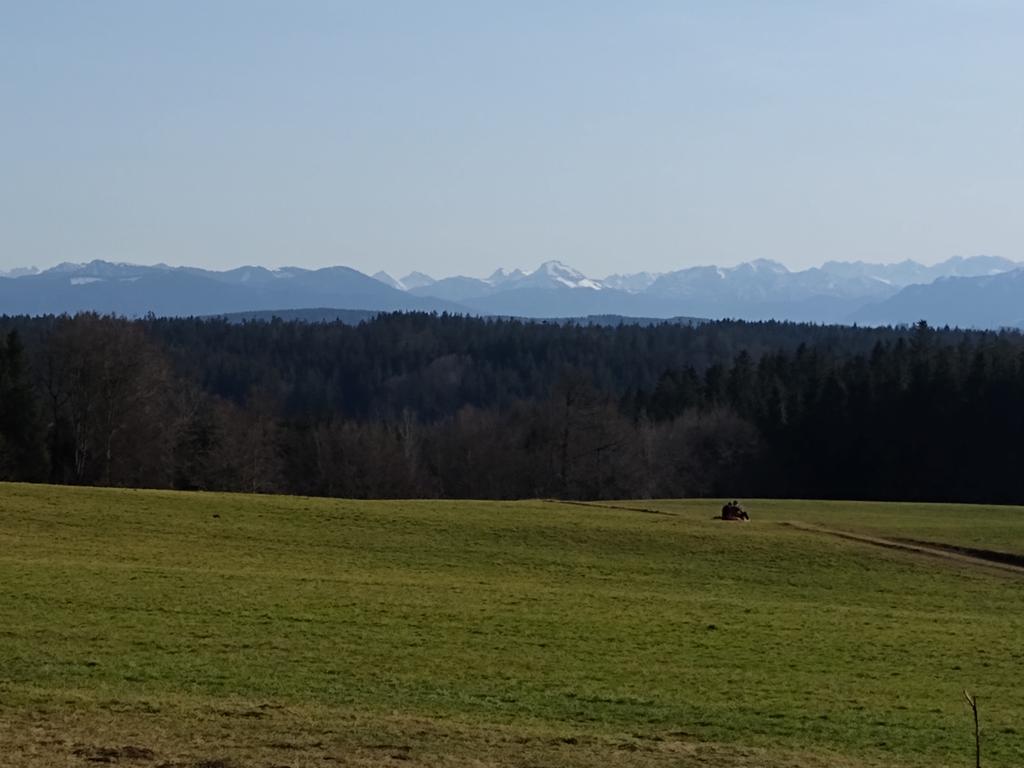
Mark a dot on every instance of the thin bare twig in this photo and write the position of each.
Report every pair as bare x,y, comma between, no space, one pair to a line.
973,702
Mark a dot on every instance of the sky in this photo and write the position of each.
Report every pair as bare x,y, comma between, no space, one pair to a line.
456,137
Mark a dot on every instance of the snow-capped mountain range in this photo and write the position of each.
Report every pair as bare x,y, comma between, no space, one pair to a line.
980,291
855,276
762,289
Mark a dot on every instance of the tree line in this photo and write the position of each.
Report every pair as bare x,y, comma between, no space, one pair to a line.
418,405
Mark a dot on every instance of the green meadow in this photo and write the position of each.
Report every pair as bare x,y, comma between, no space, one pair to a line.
191,630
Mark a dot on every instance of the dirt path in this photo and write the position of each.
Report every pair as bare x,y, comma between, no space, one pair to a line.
976,557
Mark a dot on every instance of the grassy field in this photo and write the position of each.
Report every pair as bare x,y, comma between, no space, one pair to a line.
206,630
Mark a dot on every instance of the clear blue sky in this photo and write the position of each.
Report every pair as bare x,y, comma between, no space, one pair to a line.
455,137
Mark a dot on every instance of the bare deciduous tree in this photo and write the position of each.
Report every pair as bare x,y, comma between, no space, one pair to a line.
109,392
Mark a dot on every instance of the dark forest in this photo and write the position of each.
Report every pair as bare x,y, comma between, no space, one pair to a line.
417,405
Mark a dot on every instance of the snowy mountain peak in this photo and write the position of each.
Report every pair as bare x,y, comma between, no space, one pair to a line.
501,275
65,267
631,283
387,279
908,272
769,266
416,280
565,275
101,269
557,268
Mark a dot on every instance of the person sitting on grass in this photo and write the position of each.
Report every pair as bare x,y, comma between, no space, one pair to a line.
733,511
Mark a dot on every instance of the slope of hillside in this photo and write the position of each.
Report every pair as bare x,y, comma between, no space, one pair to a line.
149,628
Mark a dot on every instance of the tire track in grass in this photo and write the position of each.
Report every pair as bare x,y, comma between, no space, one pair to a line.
599,505
1002,561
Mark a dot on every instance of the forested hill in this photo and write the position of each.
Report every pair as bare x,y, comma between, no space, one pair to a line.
427,405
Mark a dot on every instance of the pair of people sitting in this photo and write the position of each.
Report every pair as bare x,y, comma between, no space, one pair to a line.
733,511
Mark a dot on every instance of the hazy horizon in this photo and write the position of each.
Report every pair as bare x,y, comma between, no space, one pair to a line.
455,138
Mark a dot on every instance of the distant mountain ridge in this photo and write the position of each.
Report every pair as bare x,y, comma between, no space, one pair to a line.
977,291
990,301
762,289
134,290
